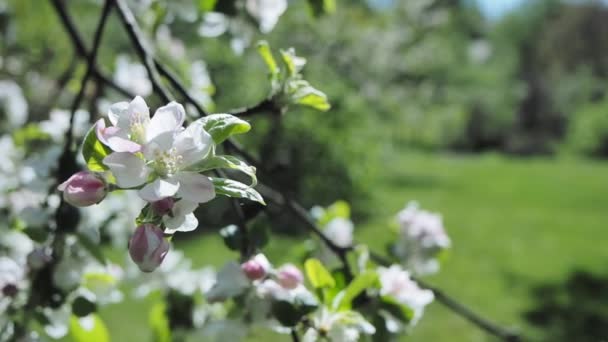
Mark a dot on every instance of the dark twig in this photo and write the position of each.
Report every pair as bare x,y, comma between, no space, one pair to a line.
267,105
146,56
80,48
459,308
294,335
91,60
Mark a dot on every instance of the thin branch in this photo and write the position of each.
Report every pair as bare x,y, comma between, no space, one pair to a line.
265,106
91,60
146,56
459,308
294,335
80,48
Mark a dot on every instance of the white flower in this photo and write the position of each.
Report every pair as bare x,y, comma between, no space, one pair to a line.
266,12
340,232
422,237
132,76
343,326
397,283
168,151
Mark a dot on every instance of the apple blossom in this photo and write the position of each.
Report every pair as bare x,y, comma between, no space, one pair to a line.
256,267
344,326
289,276
421,237
148,247
266,12
397,283
340,232
83,189
167,149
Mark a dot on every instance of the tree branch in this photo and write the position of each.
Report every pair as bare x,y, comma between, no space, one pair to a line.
459,308
146,56
80,48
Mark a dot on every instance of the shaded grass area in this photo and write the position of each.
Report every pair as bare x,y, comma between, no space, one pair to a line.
515,224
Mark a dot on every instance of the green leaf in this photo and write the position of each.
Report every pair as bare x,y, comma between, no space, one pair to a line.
318,275
293,63
311,97
396,309
222,126
227,162
87,329
339,209
160,323
289,314
91,247
207,5
93,152
232,188
264,51
233,238
82,307
361,282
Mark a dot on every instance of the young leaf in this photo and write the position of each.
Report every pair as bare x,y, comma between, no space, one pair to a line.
227,162
222,126
318,275
306,95
93,152
90,328
293,63
232,188
264,51
159,322
359,284
401,312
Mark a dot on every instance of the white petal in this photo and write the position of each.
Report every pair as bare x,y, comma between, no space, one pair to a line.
159,189
128,169
193,143
189,223
166,119
136,112
180,211
195,187
116,111
159,144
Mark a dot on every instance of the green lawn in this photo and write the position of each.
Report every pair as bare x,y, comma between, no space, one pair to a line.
514,223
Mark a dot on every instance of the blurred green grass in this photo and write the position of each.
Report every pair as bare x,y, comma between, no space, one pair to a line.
514,223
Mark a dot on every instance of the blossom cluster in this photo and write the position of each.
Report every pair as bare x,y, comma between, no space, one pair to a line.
421,239
162,161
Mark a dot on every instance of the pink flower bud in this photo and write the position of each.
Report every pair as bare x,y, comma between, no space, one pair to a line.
163,207
253,269
289,276
83,189
148,247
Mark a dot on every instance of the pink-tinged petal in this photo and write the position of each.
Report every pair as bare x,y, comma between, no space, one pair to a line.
114,138
148,247
129,170
195,187
116,111
193,143
83,189
168,118
159,189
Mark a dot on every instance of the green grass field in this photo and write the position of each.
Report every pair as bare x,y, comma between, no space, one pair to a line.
514,223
